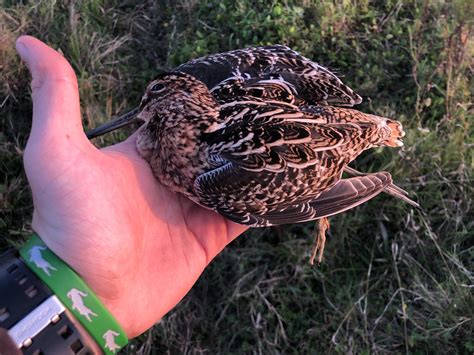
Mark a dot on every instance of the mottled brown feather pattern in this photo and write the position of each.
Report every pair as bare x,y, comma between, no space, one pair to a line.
257,135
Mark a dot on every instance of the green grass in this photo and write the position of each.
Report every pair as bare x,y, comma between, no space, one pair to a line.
393,279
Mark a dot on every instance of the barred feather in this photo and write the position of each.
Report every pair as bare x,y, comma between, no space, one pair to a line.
256,134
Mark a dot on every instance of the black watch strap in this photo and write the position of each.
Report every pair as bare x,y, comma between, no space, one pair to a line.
35,319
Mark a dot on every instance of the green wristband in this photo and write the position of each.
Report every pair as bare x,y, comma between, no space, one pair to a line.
76,296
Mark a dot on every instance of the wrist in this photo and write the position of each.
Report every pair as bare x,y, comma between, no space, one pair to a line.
97,268
32,318
119,279
75,295
122,315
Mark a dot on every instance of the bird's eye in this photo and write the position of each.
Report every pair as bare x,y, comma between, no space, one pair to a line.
157,87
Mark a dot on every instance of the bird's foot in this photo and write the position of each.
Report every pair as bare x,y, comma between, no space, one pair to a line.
320,240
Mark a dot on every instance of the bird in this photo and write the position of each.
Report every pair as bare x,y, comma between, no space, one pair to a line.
261,135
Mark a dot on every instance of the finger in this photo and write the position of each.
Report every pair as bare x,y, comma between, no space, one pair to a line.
56,110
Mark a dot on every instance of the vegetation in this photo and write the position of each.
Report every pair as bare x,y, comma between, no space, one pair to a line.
393,279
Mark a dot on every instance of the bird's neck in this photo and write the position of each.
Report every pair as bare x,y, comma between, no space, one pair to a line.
173,146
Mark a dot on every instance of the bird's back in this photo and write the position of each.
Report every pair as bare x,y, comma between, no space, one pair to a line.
228,74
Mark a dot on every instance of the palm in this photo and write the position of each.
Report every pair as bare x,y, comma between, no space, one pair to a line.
139,246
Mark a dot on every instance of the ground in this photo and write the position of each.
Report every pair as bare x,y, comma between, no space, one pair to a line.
393,279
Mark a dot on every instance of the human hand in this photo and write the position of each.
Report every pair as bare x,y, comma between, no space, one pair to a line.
139,246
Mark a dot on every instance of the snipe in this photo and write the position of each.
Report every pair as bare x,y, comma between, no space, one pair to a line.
261,135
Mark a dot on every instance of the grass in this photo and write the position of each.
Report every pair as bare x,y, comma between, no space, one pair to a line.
393,279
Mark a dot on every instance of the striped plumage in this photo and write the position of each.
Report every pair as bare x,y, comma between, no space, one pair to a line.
259,135
270,72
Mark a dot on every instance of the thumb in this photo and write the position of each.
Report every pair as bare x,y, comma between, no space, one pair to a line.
56,112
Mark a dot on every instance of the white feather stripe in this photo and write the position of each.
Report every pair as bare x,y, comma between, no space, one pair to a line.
248,137
277,168
290,115
217,126
282,103
279,82
260,150
246,102
269,113
303,165
239,115
289,141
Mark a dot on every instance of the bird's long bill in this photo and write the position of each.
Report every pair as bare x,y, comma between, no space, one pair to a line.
110,126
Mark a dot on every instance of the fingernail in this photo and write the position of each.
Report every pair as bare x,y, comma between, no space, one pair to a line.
22,50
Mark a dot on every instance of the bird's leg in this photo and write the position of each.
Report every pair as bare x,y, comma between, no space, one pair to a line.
320,240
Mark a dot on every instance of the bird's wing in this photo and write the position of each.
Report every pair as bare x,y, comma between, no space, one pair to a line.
263,135
272,158
390,189
314,83
344,195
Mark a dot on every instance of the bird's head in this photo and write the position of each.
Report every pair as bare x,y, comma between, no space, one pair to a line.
168,93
